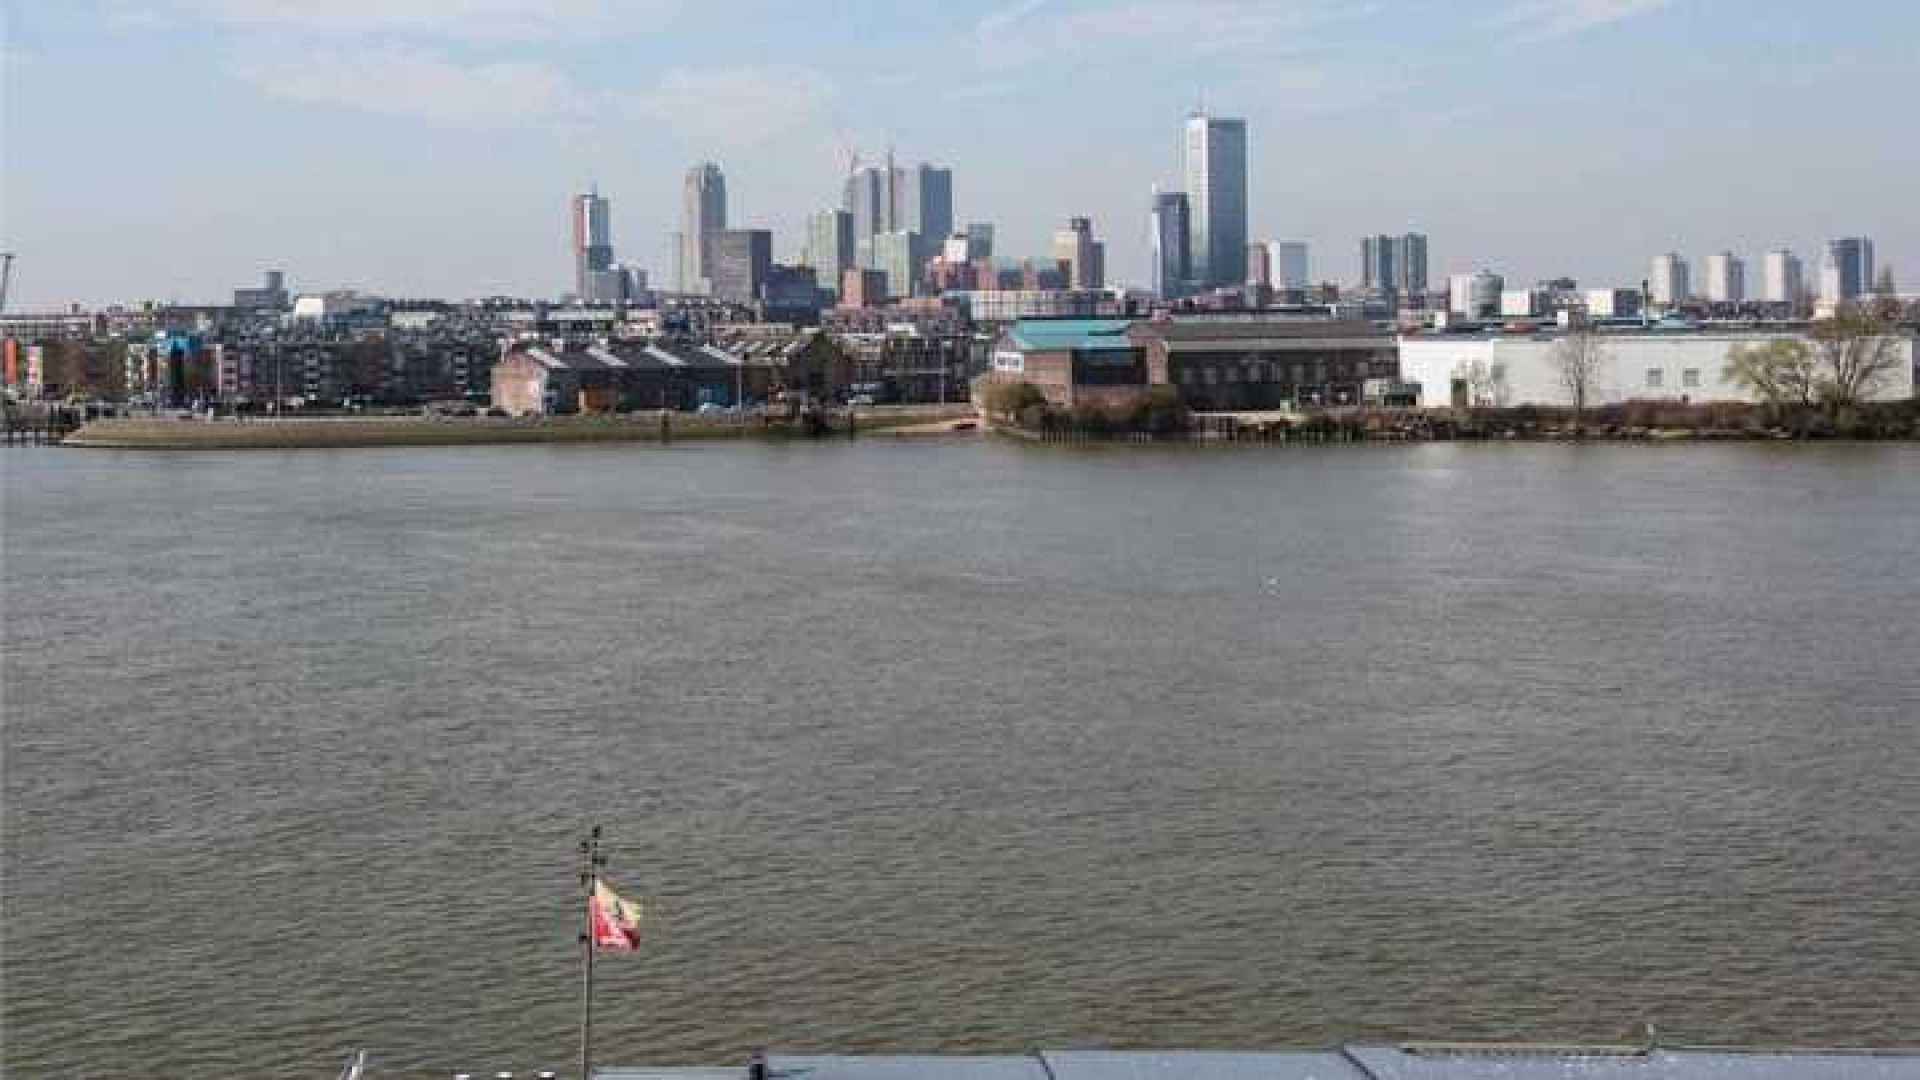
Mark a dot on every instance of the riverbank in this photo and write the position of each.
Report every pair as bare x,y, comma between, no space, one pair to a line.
354,432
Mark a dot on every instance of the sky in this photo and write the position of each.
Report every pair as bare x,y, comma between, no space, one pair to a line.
175,149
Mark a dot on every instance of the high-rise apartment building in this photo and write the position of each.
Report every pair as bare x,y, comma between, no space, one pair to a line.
703,216
1847,272
885,199
1726,278
830,246
592,244
1781,277
1170,245
1216,174
738,263
1287,260
1085,257
1667,280
1394,266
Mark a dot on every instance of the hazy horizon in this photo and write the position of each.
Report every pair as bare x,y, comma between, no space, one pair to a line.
175,150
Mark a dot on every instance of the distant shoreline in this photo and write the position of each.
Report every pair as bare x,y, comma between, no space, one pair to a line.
354,432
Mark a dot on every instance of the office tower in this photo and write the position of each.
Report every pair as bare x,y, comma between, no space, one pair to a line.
1780,277
1410,259
1379,272
1847,272
1667,280
868,199
897,255
738,261
1287,261
923,201
1085,257
1170,244
830,246
1216,173
980,239
703,215
1726,278
1475,295
592,241
1259,266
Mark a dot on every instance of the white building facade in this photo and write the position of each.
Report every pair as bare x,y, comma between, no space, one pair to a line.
1667,280
1726,278
1504,370
1780,277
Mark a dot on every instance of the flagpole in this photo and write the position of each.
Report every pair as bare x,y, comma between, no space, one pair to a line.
591,862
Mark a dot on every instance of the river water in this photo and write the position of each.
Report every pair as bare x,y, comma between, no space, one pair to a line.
954,745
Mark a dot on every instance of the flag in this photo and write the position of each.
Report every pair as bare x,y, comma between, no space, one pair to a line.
615,919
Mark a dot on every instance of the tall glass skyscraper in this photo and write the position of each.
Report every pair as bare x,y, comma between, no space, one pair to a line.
703,215
1216,167
592,240
1171,241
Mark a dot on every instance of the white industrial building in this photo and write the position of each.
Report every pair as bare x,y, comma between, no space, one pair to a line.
1510,369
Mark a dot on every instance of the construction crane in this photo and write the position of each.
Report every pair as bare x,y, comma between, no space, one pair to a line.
6,276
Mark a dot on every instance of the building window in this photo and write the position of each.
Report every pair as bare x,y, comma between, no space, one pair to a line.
1654,378
1690,378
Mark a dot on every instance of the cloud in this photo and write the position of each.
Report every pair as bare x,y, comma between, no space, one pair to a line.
1165,30
740,107
414,84
1546,20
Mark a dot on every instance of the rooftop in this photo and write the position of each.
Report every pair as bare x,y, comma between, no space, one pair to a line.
1071,334
1410,1062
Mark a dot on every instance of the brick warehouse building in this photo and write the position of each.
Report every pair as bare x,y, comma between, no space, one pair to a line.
1226,363
539,379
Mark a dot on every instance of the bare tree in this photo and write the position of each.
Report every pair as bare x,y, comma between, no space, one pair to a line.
1780,373
1580,359
1856,350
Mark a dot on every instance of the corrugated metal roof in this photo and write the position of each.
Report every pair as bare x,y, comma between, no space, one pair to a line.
1070,334
1346,1063
1199,1065
905,1067
692,1073
1513,1063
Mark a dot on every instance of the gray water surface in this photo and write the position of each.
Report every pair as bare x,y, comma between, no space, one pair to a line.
954,746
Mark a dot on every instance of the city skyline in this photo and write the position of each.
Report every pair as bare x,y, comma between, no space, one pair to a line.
423,149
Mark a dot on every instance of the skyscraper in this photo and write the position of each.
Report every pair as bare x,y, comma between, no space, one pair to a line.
1216,171
703,215
1394,266
1410,256
1378,271
1170,243
897,254
1847,272
868,199
1288,260
884,199
923,200
1780,277
1085,257
830,246
738,262
1726,278
1259,266
1667,280
592,242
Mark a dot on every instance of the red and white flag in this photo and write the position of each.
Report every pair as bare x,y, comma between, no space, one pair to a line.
615,919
